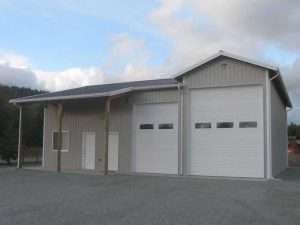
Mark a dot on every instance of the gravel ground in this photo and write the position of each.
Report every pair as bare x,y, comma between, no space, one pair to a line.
46,198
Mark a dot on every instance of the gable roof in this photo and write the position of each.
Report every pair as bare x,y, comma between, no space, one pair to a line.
106,90
222,53
96,91
275,74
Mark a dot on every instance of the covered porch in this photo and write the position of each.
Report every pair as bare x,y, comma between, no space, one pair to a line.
74,123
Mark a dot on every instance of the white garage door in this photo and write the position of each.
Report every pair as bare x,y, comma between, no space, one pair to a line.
227,137
155,138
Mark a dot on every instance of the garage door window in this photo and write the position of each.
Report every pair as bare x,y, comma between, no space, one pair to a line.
202,125
164,126
225,125
248,124
146,126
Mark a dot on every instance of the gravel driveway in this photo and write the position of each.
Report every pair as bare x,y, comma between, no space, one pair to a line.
42,198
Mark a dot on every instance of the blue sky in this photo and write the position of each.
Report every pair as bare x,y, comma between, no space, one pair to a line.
65,44
78,36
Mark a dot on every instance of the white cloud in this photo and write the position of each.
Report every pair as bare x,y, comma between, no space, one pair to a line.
194,29
14,60
69,78
197,29
127,60
15,70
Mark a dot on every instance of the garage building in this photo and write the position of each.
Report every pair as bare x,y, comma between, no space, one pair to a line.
226,116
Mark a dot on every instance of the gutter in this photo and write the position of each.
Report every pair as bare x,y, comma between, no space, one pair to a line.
93,95
283,86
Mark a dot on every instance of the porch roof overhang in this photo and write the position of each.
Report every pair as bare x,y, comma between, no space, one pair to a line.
72,94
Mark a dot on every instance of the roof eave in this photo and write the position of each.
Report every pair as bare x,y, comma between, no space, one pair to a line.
224,54
94,95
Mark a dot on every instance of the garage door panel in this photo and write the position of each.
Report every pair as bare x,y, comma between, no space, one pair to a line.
227,151
156,150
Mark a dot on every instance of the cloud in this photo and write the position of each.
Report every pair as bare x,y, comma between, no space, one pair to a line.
15,71
197,29
264,30
17,77
292,78
14,60
69,78
127,60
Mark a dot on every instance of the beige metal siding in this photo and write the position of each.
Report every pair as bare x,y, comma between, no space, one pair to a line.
225,72
158,96
120,121
87,117
278,133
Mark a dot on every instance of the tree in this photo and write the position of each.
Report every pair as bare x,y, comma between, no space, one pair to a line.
293,129
32,121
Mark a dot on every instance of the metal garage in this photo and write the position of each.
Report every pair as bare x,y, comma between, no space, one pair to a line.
155,138
227,132
225,116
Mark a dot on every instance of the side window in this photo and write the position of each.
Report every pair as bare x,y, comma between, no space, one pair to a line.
146,126
164,126
65,141
248,124
225,125
202,125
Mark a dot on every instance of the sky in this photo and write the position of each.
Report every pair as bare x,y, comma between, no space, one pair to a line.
54,45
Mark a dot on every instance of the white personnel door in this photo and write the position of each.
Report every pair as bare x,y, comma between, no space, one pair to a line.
88,150
113,151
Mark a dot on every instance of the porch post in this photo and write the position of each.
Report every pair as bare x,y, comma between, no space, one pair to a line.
60,120
106,127
19,159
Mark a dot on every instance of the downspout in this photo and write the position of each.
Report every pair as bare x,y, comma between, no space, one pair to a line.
268,128
180,129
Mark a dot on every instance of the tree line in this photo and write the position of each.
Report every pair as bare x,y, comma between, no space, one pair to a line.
294,130
9,122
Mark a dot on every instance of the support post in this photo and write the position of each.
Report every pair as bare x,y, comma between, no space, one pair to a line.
60,140
19,160
106,124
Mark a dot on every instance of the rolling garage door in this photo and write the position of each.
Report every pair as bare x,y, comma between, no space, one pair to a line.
155,138
227,137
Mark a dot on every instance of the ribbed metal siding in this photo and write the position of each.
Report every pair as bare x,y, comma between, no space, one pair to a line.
76,120
158,96
278,133
225,72
80,117
120,121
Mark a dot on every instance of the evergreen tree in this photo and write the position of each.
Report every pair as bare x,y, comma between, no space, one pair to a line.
9,122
